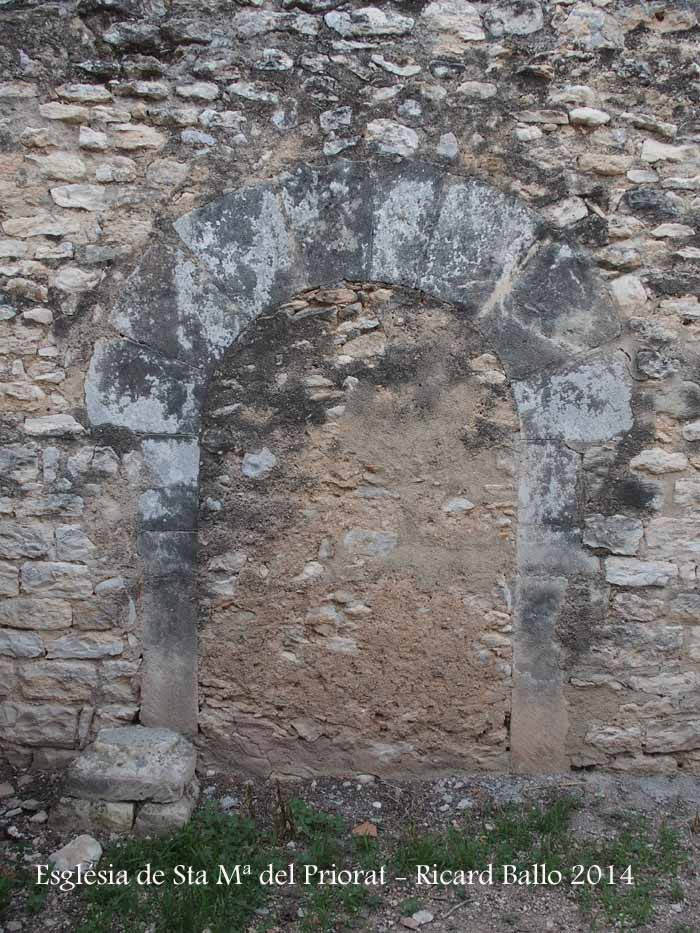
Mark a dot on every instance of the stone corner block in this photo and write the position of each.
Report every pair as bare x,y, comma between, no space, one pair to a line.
133,763
159,819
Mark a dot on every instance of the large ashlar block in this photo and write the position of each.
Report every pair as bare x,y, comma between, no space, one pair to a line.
587,402
158,819
133,763
481,236
133,387
171,304
406,204
244,241
330,205
555,305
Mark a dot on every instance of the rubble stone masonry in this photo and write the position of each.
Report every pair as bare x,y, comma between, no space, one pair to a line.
350,382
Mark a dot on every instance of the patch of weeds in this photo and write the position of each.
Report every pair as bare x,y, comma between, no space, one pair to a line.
524,836
327,846
451,850
209,840
7,883
655,860
320,832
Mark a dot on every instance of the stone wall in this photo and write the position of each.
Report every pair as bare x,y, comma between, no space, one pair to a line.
118,118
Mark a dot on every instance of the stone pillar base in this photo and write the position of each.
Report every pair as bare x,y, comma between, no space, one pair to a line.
131,779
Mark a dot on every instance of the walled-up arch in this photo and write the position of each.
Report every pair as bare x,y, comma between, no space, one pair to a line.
537,302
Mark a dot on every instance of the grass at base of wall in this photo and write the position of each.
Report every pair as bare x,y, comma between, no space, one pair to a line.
515,834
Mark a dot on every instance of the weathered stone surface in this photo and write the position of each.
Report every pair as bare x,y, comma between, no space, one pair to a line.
171,462
588,116
244,241
691,432
71,813
134,764
41,224
540,714
25,540
171,508
66,682
159,819
659,461
671,735
38,724
166,553
480,235
546,486
686,606
88,645
615,739
392,138
9,579
592,28
63,166
25,613
85,93
627,571
72,544
676,539
566,212
615,533
56,578
19,463
514,18
258,464
590,402
20,644
687,492
172,305
53,426
68,113
93,463
638,608
169,677
130,386
455,20
368,21
80,197
130,138
557,306
332,205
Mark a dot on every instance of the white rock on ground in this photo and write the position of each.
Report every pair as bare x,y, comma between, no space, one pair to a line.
83,851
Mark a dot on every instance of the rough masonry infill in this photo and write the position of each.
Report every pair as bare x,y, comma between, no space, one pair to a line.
536,301
357,541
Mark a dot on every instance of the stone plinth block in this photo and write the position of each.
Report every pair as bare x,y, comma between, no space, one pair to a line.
133,763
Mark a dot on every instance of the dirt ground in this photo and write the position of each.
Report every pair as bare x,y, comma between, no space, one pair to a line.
392,807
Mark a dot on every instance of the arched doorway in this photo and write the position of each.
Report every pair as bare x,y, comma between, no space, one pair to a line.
537,304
